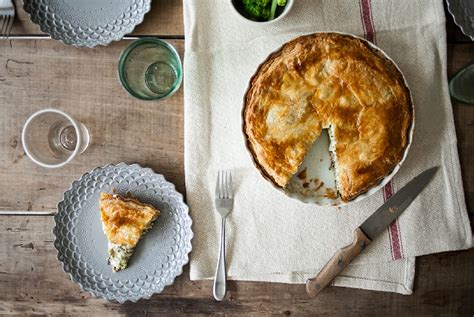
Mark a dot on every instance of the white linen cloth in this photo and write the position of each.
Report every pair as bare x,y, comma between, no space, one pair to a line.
271,237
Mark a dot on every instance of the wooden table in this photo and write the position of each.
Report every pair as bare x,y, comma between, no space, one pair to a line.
45,72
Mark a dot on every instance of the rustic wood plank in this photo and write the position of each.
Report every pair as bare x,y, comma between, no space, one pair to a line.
164,19
82,82
459,56
31,281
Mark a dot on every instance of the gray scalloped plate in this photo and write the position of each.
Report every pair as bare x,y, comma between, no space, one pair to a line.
82,245
463,14
87,22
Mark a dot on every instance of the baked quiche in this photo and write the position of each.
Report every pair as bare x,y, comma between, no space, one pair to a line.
125,220
328,81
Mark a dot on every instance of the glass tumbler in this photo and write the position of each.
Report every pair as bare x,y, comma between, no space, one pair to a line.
51,138
461,86
150,69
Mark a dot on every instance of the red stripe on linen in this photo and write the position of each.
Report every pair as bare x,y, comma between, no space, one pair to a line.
394,228
396,247
367,20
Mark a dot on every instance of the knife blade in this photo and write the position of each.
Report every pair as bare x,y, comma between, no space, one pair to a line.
369,230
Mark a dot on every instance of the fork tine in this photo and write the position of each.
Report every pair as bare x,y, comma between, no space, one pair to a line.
218,183
222,184
4,19
231,195
7,22
226,186
227,192
223,194
10,26
5,32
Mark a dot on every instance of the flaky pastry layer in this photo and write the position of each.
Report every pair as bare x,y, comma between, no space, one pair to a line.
333,81
125,219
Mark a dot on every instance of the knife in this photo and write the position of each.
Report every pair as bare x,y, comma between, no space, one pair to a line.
369,230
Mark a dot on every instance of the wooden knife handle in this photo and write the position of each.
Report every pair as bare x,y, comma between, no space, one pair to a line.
337,263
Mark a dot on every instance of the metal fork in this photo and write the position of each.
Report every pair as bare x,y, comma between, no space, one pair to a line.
7,15
224,201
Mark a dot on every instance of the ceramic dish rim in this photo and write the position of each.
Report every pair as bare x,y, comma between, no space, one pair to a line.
456,21
54,36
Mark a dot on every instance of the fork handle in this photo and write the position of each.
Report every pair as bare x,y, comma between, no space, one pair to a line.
219,289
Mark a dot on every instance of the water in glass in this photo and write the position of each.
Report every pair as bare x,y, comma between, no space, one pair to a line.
62,139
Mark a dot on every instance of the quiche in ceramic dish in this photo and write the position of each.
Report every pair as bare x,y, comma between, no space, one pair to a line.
331,81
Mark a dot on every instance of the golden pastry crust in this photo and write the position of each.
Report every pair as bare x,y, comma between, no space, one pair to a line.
328,81
125,219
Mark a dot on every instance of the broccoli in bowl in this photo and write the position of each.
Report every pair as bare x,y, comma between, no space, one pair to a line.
260,10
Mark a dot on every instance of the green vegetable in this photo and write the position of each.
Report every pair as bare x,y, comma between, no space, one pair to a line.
273,10
119,256
262,9
256,9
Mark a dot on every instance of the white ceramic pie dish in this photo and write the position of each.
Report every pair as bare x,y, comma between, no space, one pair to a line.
318,162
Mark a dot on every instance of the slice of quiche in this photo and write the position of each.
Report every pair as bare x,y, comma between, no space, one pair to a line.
125,220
